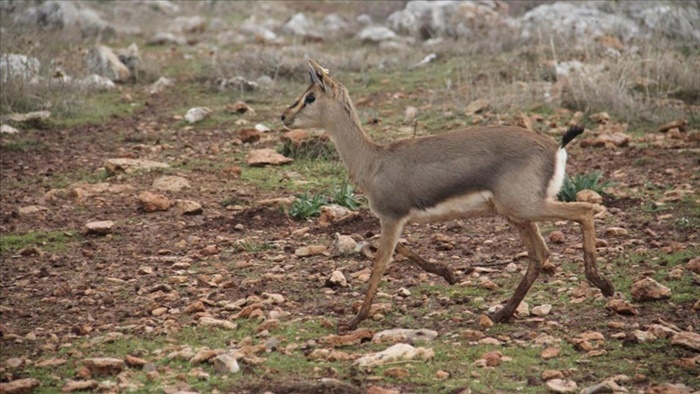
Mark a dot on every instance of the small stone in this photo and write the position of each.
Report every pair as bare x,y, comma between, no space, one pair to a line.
512,268
661,331
102,227
675,274
600,117
195,307
395,353
249,136
648,289
615,231
381,390
210,321
116,166
690,340
472,335
197,114
79,385
240,107
160,85
308,251
171,183
562,386
397,373
134,362
476,106
557,237
151,202
337,279
31,210
488,284
205,355
262,157
209,250
345,244
19,386
485,322
541,310
643,336
104,365
493,358
159,311
607,386
694,265
550,374
621,306
188,207
442,375
225,363
674,124
396,335
550,352
589,196
7,129
262,128
523,309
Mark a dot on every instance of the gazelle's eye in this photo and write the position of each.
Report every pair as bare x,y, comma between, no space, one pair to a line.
309,99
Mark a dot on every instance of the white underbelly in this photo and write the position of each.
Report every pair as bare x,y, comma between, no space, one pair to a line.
472,204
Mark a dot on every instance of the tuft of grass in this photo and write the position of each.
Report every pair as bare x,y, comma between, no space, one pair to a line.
48,241
578,182
306,206
344,195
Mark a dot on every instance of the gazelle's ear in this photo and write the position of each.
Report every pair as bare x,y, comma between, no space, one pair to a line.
319,75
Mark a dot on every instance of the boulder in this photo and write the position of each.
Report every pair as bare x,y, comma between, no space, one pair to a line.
395,353
262,157
376,34
102,60
301,26
18,67
648,289
577,21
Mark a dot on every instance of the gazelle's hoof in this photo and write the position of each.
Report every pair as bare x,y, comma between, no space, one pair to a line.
500,316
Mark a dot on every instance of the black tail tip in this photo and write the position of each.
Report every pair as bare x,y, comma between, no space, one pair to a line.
573,132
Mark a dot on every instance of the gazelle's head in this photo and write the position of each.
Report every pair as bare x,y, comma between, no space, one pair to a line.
317,103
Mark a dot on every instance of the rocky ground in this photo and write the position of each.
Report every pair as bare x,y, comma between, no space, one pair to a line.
147,243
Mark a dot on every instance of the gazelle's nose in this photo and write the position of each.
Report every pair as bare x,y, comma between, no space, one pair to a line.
283,117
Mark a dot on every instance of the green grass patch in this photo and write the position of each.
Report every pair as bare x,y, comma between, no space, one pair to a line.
48,241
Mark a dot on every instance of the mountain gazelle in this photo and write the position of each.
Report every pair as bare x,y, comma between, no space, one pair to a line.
479,171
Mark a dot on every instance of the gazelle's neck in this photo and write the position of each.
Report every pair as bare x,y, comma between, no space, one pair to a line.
354,146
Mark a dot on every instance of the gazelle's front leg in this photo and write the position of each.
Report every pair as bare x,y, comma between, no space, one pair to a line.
391,231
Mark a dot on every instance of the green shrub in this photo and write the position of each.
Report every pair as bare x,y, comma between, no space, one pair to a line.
578,182
306,206
345,196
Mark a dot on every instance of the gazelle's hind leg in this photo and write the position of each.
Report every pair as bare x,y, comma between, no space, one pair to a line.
537,254
582,213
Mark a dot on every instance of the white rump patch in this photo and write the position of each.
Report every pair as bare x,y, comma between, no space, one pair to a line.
557,180
456,207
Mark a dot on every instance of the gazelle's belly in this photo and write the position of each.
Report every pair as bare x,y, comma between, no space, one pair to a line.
464,206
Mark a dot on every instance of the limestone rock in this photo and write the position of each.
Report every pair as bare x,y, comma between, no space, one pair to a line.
160,85
19,386
337,279
79,385
694,265
557,237
404,335
541,310
102,60
7,129
197,114
561,386
166,38
152,202
688,339
262,157
188,24
30,117
376,34
115,166
225,363
345,244
104,365
648,289
188,207
395,353
621,306
15,67
210,321
308,251
101,227
171,183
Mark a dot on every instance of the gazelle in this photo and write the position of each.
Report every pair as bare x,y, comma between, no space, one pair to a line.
479,171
